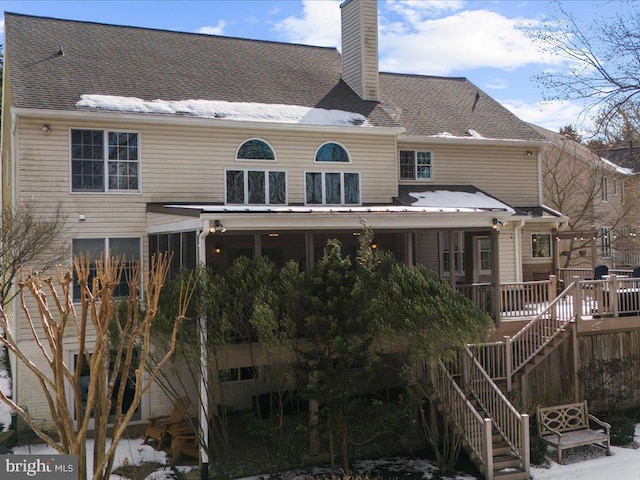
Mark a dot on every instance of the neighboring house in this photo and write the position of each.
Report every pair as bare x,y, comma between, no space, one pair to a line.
599,197
215,147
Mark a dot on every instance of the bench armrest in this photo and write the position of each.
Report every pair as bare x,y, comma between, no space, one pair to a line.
555,432
604,425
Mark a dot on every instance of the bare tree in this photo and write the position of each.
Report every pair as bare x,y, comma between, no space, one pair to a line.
603,57
113,348
24,235
575,182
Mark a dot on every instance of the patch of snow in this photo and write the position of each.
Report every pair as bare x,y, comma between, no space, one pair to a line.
474,134
239,111
452,199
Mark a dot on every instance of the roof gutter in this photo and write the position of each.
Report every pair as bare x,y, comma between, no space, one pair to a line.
151,119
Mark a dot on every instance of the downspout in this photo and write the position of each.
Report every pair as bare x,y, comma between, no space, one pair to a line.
14,302
517,239
204,387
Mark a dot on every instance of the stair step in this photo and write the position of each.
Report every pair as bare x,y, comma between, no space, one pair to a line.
510,474
505,461
501,449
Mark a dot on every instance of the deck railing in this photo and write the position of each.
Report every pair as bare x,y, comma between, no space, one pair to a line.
513,426
517,299
611,297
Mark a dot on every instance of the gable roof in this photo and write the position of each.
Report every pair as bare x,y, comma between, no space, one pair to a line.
582,152
53,62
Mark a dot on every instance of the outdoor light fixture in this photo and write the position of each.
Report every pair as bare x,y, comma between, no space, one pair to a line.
496,224
217,227
374,246
46,128
529,153
217,249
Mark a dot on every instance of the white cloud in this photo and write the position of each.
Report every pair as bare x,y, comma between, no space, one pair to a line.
318,25
497,84
469,39
415,11
217,30
1,27
551,114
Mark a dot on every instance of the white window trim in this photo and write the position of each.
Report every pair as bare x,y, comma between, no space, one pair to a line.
604,194
246,185
106,190
324,200
540,259
275,157
415,166
442,246
315,154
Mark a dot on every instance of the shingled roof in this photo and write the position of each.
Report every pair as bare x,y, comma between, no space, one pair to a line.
53,62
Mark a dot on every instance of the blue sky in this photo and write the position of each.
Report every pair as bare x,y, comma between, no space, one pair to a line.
480,40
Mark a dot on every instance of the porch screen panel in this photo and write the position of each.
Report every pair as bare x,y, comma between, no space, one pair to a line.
235,186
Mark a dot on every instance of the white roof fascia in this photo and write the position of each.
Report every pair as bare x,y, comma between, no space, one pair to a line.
147,118
176,226
471,141
401,218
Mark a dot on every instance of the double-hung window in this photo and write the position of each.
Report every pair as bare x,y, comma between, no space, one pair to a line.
104,161
416,165
256,187
101,248
332,188
541,245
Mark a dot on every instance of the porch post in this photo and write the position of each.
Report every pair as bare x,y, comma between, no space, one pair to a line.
257,245
495,275
452,259
204,372
408,248
309,248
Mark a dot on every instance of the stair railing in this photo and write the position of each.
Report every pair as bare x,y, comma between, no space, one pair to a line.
476,430
539,332
513,426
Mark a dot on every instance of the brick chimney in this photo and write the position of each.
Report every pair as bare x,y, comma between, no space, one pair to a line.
360,47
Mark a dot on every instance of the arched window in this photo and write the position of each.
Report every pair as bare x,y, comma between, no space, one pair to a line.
255,149
332,152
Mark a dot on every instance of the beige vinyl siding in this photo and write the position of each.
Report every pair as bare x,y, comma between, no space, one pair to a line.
427,249
507,173
181,164
360,48
506,247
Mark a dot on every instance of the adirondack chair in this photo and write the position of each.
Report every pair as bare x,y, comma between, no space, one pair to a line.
159,427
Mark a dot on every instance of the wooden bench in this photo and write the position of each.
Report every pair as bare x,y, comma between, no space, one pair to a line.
567,426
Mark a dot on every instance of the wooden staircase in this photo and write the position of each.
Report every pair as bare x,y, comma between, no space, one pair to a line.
507,465
496,435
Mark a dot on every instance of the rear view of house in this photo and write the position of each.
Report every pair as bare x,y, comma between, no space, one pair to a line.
215,148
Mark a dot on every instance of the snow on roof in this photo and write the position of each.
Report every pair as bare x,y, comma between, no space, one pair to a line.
457,199
618,168
250,112
462,207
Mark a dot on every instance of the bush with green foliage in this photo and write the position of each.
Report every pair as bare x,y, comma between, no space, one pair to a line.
537,450
622,430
